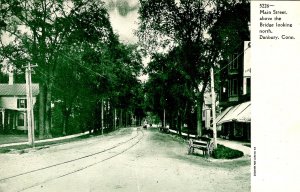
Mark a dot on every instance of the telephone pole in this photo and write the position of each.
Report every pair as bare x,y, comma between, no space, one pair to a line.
164,123
102,116
30,115
213,106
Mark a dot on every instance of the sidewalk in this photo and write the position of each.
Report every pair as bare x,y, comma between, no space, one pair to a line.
14,140
238,145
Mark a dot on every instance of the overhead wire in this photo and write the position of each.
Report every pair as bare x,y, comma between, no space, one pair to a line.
86,98
234,59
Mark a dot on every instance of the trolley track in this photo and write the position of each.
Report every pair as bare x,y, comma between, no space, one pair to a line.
131,141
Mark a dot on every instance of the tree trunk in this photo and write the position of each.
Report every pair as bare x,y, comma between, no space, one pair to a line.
170,119
66,117
126,118
138,120
66,124
199,117
179,123
42,112
48,114
114,118
107,115
121,117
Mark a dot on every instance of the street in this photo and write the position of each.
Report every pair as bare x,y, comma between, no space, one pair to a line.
130,159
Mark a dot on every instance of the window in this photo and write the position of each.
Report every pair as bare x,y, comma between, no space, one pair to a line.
224,89
233,87
248,85
22,103
234,61
21,119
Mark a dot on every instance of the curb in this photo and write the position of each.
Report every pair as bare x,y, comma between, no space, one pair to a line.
46,140
52,139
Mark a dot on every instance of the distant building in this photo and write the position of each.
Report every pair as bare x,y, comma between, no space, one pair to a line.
13,105
207,111
234,96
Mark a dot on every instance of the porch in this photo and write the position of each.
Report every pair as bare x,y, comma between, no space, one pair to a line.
13,121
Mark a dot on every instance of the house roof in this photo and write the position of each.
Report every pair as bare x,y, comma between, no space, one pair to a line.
17,89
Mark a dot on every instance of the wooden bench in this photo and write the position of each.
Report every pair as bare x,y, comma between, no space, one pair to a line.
164,129
203,143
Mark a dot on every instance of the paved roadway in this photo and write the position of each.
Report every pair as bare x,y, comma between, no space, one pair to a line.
127,160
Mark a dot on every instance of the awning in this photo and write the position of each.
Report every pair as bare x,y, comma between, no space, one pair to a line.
238,113
223,113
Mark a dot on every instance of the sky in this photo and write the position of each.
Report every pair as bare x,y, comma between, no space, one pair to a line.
124,20
124,17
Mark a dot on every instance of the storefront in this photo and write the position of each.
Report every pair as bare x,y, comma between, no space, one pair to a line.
235,122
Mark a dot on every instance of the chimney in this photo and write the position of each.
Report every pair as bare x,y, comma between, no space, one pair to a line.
10,78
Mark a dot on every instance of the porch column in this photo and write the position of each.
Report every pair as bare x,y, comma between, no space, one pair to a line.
2,111
8,120
14,119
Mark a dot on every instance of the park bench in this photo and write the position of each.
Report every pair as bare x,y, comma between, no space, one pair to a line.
164,129
205,144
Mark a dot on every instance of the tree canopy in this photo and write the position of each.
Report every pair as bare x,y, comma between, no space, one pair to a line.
184,39
86,72
82,67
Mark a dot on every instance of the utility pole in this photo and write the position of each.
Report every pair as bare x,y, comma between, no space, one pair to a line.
102,116
164,123
213,103
30,114
115,118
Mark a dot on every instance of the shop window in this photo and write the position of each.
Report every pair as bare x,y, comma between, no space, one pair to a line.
22,103
238,131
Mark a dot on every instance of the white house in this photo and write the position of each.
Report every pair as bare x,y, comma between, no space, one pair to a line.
13,105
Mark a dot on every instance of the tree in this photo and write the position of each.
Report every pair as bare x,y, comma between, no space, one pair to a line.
40,31
182,25
127,95
197,35
96,74
83,68
167,90
36,34
231,26
228,33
